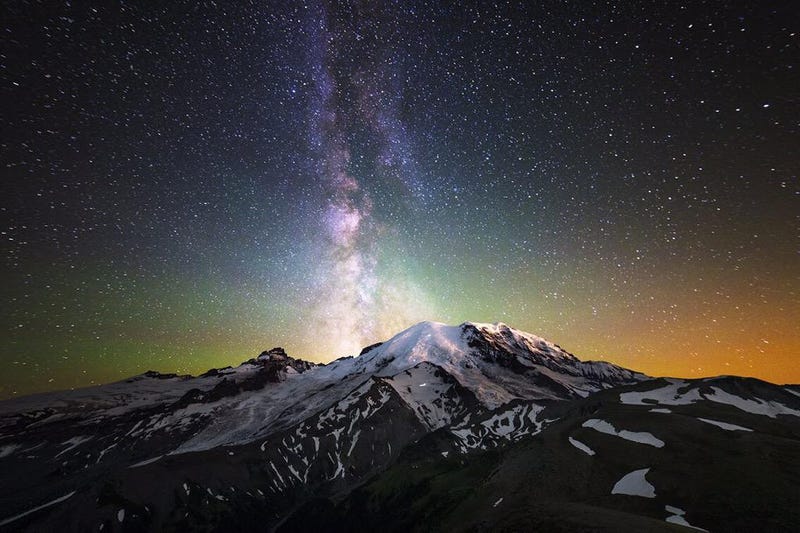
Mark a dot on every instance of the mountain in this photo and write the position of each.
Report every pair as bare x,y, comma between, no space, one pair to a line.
719,454
477,426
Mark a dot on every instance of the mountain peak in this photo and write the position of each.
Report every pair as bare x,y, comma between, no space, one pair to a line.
275,354
431,341
496,361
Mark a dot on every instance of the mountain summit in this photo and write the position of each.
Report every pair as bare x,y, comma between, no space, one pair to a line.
434,411
498,363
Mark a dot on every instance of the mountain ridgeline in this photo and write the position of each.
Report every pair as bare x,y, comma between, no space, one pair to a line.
475,427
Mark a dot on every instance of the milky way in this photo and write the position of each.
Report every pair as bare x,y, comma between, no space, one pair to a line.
186,185
355,305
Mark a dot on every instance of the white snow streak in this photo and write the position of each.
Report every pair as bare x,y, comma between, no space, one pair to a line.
146,462
724,425
73,443
43,506
581,446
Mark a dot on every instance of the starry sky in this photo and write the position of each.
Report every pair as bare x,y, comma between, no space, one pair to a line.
184,186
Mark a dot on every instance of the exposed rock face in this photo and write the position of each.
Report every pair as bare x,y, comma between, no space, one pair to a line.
366,349
275,354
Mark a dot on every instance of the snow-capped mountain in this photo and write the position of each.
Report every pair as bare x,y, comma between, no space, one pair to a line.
497,363
272,392
275,431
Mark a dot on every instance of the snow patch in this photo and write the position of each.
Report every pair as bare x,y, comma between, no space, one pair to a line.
677,517
724,425
581,446
634,436
674,510
756,407
121,515
661,410
681,521
668,395
8,449
146,462
790,391
73,443
105,451
635,484
353,443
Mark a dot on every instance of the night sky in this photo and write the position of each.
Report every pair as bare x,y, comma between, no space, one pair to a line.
185,186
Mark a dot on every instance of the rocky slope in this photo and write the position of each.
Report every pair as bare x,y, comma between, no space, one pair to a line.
720,454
